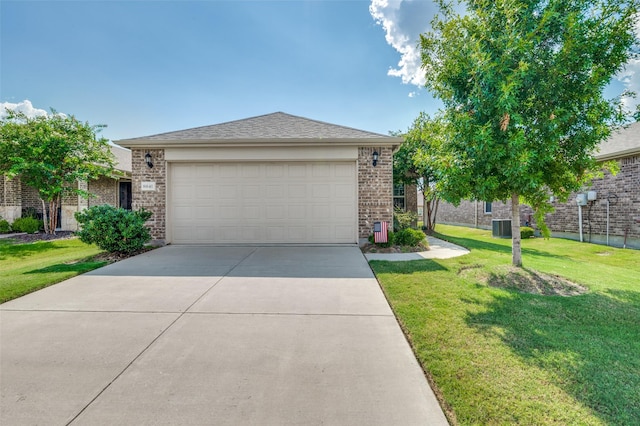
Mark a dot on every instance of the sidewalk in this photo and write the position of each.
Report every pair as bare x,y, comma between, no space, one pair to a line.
438,249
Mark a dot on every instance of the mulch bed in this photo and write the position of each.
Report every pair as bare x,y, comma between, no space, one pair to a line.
372,248
533,282
40,236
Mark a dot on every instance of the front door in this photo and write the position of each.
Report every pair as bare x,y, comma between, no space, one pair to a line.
125,195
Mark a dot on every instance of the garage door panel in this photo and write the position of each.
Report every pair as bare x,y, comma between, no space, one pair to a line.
263,202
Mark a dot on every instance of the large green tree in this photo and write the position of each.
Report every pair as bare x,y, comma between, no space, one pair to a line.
522,84
52,153
417,162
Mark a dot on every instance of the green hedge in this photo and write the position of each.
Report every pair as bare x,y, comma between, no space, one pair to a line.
409,237
29,225
526,232
5,228
115,230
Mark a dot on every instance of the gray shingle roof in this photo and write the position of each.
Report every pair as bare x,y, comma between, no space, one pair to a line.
621,143
275,126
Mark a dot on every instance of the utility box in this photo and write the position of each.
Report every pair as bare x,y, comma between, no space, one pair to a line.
581,199
501,228
592,195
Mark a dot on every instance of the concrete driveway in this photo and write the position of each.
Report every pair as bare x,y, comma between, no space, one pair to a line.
189,335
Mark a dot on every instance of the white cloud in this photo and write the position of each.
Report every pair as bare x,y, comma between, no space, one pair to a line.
630,77
25,107
403,21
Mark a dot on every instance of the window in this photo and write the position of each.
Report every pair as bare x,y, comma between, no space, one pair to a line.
487,207
398,196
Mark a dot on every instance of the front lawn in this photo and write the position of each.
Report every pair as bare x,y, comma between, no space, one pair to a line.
501,356
25,268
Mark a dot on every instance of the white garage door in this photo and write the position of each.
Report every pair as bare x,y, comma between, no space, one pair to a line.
310,202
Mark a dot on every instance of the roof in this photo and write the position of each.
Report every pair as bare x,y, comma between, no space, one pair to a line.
123,158
276,128
622,143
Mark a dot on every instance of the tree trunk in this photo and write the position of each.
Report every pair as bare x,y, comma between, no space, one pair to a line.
53,214
436,201
429,210
516,249
45,218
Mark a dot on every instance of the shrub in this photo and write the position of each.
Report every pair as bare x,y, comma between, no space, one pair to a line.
115,230
5,228
409,237
403,220
29,225
31,212
526,232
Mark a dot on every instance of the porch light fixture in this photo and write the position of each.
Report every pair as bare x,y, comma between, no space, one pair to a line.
375,158
147,159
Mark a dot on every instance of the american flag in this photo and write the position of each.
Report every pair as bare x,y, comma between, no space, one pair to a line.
380,232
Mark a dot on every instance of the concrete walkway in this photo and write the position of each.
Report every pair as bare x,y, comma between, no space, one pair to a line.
213,336
438,249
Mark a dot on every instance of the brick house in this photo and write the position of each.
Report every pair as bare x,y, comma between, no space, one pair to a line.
275,178
612,217
15,197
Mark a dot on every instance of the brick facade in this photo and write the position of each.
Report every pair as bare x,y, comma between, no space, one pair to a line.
375,189
622,191
375,186
10,198
104,191
153,201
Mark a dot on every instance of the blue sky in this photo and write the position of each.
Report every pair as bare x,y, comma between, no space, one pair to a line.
144,67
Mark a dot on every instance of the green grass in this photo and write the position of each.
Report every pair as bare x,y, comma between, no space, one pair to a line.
25,268
499,356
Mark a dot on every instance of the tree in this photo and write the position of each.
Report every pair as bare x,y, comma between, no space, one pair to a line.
417,162
52,154
522,84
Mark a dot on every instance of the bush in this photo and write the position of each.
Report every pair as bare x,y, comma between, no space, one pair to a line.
526,232
115,230
29,225
403,220
31,212
5,228
409,237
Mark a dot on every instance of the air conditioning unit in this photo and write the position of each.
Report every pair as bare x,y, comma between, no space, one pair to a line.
501,228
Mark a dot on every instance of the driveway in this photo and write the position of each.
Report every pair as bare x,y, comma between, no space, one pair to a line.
188,335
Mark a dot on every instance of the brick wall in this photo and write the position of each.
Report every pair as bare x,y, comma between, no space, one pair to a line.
10,198
104,190
375,189
622,190
31,198
153,201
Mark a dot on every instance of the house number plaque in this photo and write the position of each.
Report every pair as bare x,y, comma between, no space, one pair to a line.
148,186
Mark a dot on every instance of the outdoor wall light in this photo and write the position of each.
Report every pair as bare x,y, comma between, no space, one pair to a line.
147,159
375,158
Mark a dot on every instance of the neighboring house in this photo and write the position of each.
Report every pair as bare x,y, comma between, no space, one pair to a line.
613,217
275,178
15,197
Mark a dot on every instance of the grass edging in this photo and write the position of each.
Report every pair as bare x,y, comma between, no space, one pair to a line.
495,355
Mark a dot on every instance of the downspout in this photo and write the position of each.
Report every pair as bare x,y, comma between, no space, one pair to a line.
607,220
476,213
580,220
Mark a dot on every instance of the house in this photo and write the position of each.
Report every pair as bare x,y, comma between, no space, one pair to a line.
16,198
270,179
611,211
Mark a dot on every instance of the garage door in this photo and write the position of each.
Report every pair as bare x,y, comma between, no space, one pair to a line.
310,202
